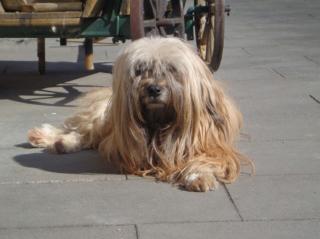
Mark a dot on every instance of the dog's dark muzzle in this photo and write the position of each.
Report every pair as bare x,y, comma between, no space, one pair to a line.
154,90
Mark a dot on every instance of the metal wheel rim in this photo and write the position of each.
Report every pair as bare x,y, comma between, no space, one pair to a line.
218,34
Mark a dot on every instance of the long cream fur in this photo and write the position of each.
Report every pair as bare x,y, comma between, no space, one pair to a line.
194,149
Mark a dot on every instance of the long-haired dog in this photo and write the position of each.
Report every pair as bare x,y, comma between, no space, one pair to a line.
166,117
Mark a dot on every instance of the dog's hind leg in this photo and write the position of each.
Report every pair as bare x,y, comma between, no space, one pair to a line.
54,139
83,130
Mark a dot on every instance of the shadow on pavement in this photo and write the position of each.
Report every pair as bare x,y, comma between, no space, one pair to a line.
21,82
84,162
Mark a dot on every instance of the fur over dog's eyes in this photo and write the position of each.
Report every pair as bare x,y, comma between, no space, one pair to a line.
137,72
171,68
140,68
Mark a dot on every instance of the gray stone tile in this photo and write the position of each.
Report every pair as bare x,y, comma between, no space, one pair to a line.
266,62
33,115
85,232
313,57
270,121
276,50
257,84
302,73
277,197
283,157
15,132
234,78
108,203
33,166
230,230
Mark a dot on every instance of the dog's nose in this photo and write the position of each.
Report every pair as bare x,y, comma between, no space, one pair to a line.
154,90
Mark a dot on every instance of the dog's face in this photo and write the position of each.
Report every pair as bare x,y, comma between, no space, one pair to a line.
153,93
156,94
161,83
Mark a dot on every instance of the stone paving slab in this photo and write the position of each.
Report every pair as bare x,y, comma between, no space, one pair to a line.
265,84
287,120
303,73
283,157
231,230
108,203
263,62
15,132
281,197
85,232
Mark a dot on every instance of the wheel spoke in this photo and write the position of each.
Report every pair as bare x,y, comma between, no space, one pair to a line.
209,29
209,39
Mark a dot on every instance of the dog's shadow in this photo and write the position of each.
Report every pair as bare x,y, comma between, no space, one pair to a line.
85,162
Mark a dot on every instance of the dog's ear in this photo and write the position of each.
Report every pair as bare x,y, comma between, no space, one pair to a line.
217,118
228,118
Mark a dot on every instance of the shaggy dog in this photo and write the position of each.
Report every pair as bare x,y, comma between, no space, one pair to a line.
166,117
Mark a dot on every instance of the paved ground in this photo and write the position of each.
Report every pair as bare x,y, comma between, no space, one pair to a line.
272,68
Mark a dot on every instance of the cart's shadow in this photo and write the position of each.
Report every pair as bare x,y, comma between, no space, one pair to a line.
63,82
21,82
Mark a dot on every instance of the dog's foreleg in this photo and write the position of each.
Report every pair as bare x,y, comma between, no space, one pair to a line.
199,175
200,181
54,139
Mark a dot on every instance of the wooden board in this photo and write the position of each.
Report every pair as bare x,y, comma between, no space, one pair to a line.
52,7
40,19
92,8
39,15
41,22
13,5
54,1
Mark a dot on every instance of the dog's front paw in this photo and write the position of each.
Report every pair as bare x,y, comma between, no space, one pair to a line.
200,182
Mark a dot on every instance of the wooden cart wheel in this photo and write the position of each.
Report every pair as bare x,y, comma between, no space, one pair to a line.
136,19
209,29
156,17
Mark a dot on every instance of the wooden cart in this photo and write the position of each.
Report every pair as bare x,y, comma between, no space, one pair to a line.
202,20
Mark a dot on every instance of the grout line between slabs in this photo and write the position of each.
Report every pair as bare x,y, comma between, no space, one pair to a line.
160,223
62,181
137,231
315,99
126,178
311,60
278,73
233,202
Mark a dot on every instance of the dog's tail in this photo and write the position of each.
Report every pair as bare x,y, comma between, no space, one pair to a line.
54,139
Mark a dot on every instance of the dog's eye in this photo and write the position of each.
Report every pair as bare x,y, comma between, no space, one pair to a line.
172,69
137,72
140,68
